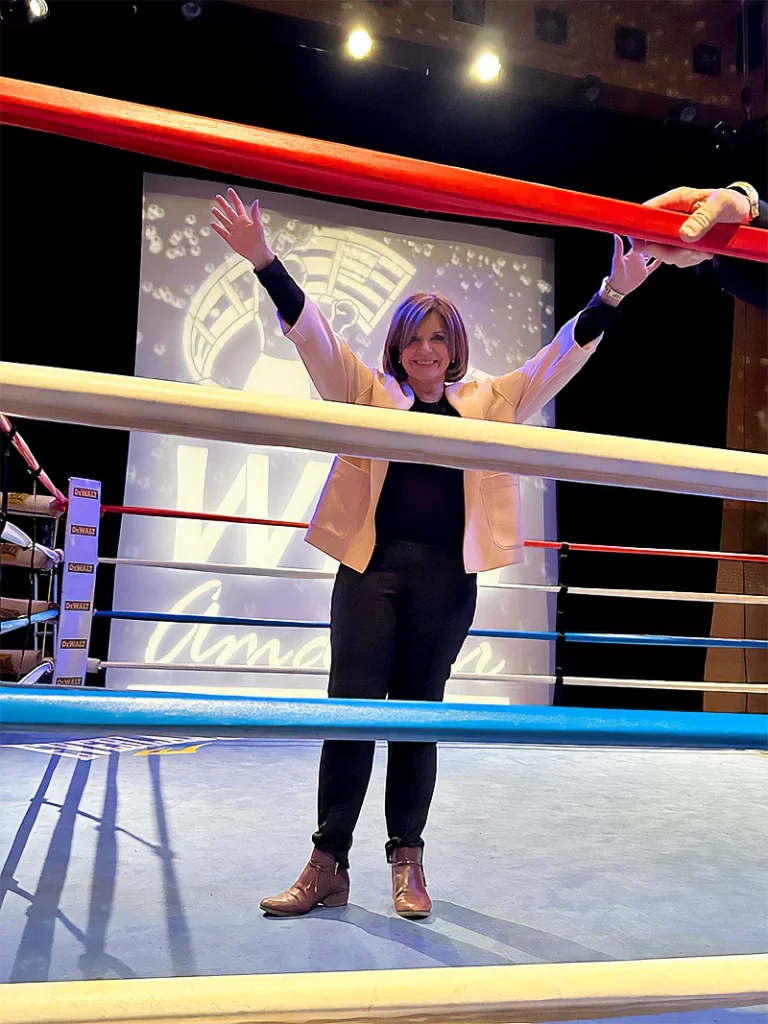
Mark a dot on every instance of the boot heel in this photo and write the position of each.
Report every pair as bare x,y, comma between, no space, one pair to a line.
314,886
339,899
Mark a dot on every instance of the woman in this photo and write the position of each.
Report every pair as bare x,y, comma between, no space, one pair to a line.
410,540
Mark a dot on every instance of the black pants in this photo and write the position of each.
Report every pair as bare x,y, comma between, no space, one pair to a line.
396,630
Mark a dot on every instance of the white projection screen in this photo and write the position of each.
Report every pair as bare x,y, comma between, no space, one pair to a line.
204,319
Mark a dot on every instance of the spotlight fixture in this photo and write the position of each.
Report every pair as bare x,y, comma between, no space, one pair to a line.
588,90
551,26
14,12
471,12
487,66
682,112
190,11
707,60
630,43
359,44
37,10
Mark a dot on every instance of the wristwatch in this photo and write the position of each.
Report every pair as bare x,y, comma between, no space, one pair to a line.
751,193
605,289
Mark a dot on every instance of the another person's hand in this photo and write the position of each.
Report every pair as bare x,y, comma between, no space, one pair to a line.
241,228
628,271
706,207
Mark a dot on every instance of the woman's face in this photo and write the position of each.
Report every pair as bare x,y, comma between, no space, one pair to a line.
426,357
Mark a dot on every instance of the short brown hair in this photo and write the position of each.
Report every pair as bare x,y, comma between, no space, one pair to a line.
405,322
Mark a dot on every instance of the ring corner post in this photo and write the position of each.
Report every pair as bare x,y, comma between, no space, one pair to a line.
81,556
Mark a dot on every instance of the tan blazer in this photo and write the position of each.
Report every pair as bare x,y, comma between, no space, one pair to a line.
343,525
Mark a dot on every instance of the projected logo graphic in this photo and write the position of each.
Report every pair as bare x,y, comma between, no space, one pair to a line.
88,749
226,304
354,279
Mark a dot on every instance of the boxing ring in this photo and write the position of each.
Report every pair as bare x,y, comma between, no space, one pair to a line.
689,785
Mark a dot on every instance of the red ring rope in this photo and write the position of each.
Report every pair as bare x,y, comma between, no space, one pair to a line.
614,549
21,446
555,545
345,171
213,517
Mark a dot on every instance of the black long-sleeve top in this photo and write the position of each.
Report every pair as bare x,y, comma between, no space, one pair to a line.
288,297
422,504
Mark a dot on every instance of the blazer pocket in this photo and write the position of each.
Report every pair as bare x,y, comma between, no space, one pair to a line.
501,499
344,501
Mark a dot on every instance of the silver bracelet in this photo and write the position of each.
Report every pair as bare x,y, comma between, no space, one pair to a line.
605,289
745,189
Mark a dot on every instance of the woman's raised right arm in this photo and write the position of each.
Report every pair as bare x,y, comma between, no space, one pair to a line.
337,374
242,230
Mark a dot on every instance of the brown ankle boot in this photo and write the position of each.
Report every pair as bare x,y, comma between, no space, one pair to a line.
409,886
322,882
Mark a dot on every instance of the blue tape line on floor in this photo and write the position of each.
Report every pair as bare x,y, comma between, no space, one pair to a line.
397,720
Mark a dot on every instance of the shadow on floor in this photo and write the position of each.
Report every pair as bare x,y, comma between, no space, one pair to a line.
543,945
8,872
177,927
508,937
33,956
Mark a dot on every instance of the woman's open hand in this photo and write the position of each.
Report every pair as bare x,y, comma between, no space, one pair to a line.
628,270
241,228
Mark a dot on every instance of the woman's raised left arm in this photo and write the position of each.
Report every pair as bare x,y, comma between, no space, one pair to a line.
526,390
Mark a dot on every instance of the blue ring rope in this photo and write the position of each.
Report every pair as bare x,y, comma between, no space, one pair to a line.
666,641
232,620
413,721
638,639
12,624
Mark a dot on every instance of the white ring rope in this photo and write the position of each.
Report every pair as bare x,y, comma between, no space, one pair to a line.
662,684
287,670
477,677
189,410
11,534
34,676
226,569
18,548
672,595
